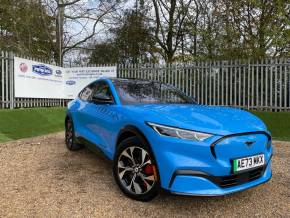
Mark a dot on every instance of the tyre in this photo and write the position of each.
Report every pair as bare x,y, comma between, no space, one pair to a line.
70,139
135,170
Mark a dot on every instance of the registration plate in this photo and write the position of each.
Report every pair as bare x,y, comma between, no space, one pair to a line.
246,163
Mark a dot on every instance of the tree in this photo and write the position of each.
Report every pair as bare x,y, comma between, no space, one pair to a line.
104,53
168,25
133,39
192,28
236,29
77,22
19,28
176,30
258,27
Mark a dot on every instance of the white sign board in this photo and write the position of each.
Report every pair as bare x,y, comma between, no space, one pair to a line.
79,77
38,80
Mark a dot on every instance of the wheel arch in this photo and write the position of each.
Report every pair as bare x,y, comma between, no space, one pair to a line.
130,131
67,117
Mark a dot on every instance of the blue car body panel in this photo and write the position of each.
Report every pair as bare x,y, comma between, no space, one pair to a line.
102,124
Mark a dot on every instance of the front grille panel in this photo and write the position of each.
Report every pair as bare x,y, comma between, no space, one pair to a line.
220,141
241,178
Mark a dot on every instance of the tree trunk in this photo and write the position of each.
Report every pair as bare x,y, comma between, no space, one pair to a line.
59,34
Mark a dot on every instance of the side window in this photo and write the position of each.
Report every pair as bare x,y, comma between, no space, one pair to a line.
102,89
86,93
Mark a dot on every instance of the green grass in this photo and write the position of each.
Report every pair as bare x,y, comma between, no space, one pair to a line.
278,123
25,123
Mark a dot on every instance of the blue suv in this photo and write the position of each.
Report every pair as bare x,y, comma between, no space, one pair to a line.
160,138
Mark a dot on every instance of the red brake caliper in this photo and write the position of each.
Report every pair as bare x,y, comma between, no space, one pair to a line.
151,169
148,169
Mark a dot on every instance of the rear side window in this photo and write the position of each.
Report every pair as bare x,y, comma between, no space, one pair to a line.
86,93
95,89
102,89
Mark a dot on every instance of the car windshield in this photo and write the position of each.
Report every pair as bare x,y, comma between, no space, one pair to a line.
147,92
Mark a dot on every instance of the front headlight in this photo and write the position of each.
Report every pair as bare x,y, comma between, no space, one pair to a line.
179,133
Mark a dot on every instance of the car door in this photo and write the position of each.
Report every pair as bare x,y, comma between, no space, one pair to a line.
98,118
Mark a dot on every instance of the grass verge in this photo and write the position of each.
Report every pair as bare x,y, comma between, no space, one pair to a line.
278,123
24,123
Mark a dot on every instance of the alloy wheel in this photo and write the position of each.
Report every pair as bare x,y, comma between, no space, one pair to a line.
136,170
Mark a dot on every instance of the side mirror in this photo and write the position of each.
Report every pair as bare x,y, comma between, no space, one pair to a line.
101,98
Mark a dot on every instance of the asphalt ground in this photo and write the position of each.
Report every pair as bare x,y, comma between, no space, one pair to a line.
39,177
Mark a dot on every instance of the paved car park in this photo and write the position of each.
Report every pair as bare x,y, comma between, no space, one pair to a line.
40,177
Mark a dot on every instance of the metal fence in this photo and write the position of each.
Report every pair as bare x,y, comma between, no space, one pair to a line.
251,84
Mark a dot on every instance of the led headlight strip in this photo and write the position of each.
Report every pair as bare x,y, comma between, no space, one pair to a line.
179,133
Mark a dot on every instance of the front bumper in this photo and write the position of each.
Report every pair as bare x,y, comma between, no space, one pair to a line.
191,183
187,167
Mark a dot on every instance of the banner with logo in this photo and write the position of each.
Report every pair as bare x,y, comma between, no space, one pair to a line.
77,78
38,80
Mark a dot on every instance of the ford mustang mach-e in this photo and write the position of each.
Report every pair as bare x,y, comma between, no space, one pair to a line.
160,138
